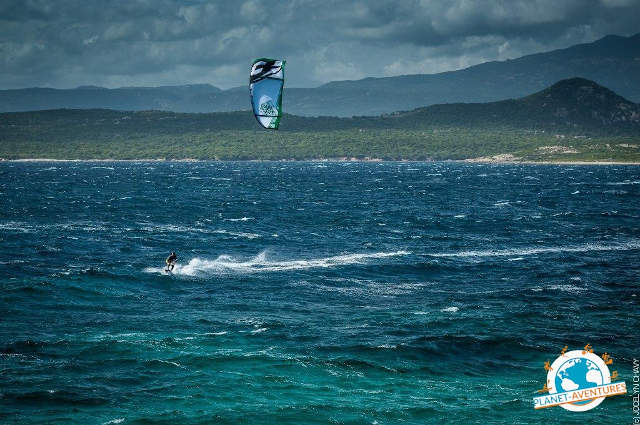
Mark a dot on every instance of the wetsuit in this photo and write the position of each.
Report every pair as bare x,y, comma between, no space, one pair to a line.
171,261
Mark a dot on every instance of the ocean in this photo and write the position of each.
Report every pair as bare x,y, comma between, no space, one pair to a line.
311,292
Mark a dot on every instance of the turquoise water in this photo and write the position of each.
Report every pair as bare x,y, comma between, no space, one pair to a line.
310,293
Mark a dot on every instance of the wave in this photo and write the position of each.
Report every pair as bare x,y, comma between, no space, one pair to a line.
519,252
626,182
34,228
566,288
260,263
239,219
16,226
170,228
238,234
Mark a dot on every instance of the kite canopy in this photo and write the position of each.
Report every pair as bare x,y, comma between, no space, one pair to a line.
265,86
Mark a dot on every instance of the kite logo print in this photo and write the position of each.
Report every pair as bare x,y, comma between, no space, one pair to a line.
267,109
263,69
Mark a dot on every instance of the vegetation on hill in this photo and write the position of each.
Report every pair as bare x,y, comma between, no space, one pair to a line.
574,106
574,120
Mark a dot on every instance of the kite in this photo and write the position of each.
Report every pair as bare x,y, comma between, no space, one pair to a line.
265,85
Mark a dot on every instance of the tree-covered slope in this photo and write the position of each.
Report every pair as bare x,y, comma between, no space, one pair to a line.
574,117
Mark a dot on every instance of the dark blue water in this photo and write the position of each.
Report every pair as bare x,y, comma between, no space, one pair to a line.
346,293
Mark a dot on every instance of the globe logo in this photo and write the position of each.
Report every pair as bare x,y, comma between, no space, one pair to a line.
578,374
578,380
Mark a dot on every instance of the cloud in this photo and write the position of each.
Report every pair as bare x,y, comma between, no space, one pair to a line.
151,42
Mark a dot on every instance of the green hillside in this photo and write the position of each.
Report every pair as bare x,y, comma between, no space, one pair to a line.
573,120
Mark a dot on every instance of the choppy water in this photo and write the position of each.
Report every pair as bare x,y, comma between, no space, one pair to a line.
374,293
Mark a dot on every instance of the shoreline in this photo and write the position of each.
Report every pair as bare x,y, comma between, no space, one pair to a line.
467,161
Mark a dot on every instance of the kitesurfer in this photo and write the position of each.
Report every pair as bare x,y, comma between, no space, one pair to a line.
171,261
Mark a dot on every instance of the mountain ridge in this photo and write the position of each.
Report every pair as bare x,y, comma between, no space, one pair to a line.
612,61
602,45
570,105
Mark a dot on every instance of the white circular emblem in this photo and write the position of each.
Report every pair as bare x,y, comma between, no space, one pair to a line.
578,370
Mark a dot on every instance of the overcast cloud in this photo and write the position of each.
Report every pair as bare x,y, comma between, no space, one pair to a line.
165,42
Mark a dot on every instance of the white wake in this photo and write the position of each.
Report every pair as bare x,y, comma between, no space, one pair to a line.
228,264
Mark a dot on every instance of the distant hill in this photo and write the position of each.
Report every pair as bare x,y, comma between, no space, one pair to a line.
612,61
574,105
188,98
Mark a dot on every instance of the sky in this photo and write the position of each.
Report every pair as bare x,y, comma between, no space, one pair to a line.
68,43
